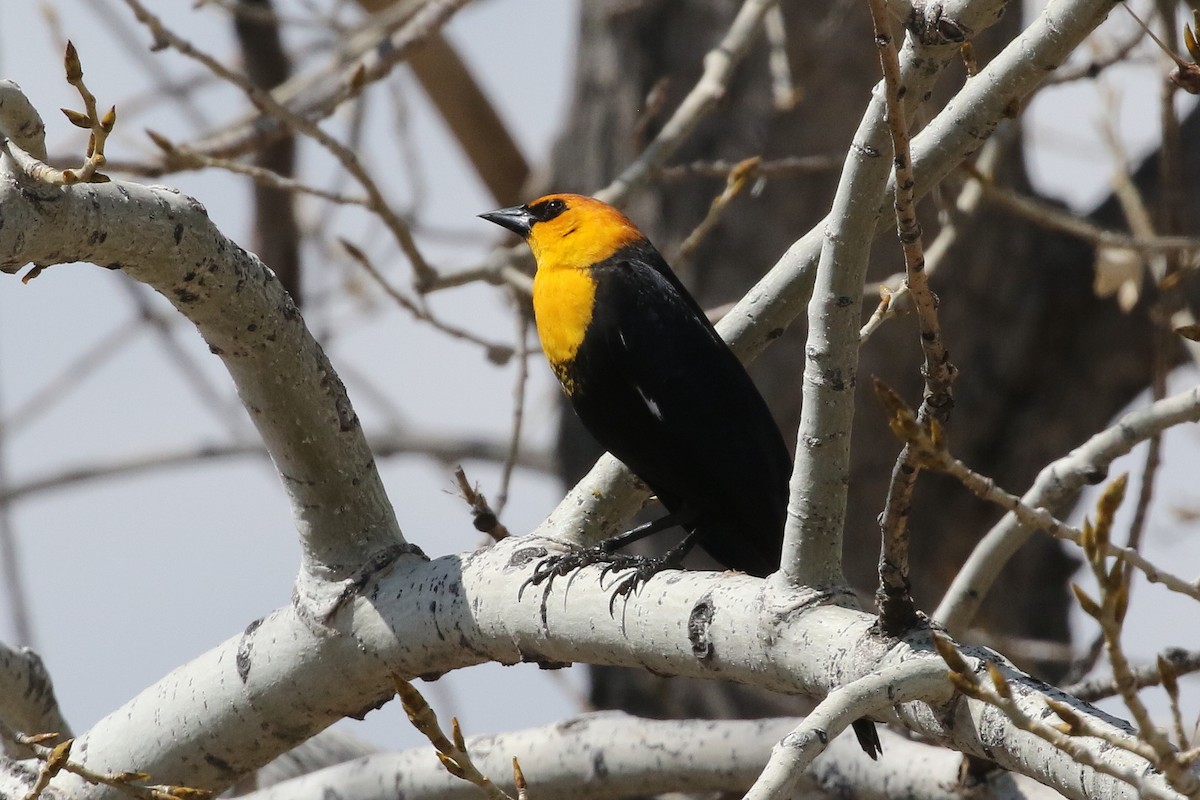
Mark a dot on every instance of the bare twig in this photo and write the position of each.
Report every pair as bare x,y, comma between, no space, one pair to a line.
718,69
741,174
441,449
1057,485
496,353
783,88
383,42
790,167
520,384
1109,612
264,100
483,517
930,451
183,157
453,755
1182,662
57,758
997,691
893,291
897,612
1053,217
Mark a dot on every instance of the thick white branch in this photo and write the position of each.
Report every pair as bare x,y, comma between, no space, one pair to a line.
284,678
611,755
160,237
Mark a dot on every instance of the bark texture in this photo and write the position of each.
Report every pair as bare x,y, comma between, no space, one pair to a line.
1043,362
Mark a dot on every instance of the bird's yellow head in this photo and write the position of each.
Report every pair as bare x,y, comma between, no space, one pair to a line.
568,231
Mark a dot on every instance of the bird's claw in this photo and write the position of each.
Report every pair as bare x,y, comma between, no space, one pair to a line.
642,569
561,564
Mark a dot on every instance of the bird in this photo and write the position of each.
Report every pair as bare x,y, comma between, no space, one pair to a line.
656,385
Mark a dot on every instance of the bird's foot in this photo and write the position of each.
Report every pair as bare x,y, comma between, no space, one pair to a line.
642,569
560,564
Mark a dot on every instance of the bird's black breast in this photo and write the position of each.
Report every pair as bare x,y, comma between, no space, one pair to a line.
656,385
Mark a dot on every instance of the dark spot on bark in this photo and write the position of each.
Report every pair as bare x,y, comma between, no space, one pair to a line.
185,296
245,650
252,327
844,301
178,232
526,554
774,334
218,763
699,621
599,768
216,351
188,277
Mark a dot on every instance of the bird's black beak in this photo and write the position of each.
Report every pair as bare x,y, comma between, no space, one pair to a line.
516,218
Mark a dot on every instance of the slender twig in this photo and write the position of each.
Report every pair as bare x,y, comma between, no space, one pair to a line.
997,691
81,367
1118,54
441,449
741,174
931,453
1053,217
893,291
709,89
496,353
483,517
453,755
1170,683
783,88
183,157
383,42
1057,485
790,167
1183,662
1109,612
897,612
266,101
520,385
56,759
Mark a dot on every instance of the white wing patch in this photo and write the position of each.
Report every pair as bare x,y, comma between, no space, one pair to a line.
650,404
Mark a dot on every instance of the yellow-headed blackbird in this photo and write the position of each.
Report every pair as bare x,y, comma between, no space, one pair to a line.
656,385
653,381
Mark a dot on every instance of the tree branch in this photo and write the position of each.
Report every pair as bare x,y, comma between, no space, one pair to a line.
1057,486
286,677
284,379
609,755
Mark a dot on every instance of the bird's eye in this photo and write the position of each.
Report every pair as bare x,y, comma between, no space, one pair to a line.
547,209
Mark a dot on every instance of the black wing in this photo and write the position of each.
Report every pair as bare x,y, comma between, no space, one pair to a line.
656,385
